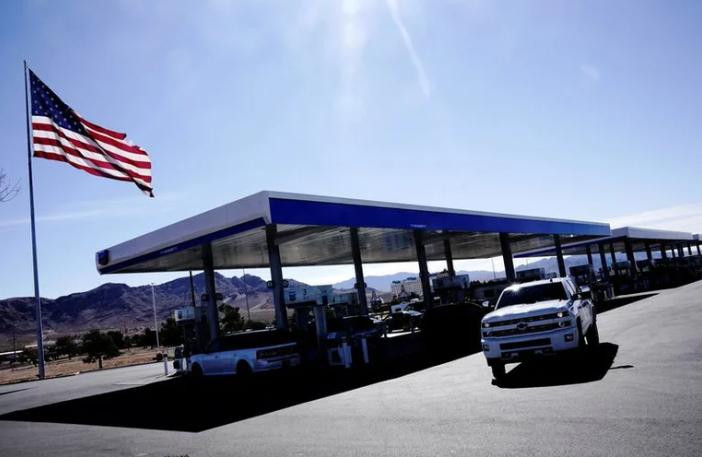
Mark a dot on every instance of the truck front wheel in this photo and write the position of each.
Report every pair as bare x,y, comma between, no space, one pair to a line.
581,337
498,371
593,335
243,370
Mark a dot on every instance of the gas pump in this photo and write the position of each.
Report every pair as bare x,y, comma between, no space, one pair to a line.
584,276
451,289
530,274
187,319
623,279
376,303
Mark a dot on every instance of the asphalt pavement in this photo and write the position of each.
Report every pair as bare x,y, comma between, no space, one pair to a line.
639,394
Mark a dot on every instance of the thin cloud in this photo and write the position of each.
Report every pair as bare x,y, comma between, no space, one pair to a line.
95,209
687,218
353,40
409,45
591,72
56,217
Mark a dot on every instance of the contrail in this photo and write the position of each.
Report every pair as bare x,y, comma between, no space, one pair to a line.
416,61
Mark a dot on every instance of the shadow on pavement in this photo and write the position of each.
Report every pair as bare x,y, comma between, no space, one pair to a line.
590,365
618,302
13,391
194,405
190,405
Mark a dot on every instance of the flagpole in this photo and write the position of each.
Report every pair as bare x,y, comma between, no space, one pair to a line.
37,297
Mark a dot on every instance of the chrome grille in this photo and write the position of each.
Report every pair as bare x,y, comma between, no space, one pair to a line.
542,317
530,329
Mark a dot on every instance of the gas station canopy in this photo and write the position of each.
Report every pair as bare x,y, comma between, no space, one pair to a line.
315,230
638,237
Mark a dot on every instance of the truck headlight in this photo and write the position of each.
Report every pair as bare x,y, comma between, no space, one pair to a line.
486,324
562,314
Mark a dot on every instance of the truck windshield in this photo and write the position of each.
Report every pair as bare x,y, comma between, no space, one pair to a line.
532,294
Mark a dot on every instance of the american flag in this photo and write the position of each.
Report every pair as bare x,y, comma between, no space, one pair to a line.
59,133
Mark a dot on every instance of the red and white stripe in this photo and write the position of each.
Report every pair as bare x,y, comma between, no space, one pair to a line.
101,152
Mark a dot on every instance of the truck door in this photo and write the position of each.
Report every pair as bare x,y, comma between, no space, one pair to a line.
584,307
210,362
226,360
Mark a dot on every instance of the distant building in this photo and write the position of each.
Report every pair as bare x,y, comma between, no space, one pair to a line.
531,274
396,288
323,295
488,291
407,286
444,281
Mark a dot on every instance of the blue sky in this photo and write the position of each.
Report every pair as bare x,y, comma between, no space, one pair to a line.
586,110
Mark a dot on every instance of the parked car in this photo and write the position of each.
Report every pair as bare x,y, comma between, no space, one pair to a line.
246,353
536,319
406,319
452,329
354,327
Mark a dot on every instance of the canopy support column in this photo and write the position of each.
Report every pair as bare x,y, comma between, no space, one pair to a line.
603,260
281,314
689,248
358,267
649,253
449,258
211,291
559,256
664,253
506,248
423,268
698,248
588,251
614,258
630,255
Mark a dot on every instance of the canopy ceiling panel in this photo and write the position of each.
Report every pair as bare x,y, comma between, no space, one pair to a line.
315,230
638,237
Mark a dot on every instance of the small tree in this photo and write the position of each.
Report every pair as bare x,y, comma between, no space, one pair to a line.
170,333
144,339
66,345
98,346
148,338
7,190
231,320
118,338
30,355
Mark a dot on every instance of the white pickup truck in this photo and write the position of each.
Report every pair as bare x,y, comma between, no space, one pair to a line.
536,319
245,353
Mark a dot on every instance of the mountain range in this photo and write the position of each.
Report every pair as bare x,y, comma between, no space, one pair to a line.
119,306
382,283
123,307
